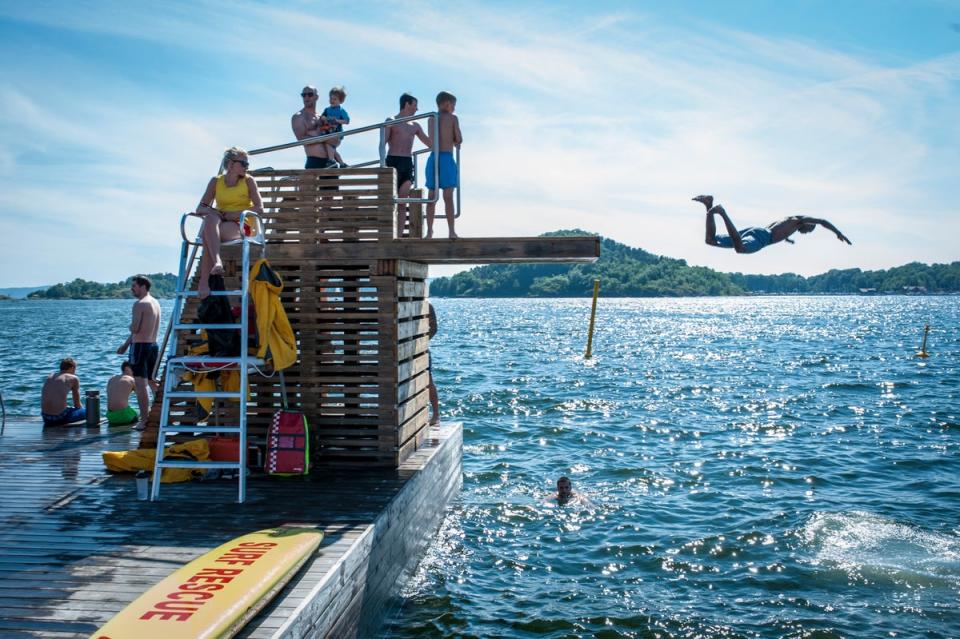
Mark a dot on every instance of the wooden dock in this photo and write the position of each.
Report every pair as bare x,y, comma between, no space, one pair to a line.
79,546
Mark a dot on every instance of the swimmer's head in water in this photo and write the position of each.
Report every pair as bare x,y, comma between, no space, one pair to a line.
564,488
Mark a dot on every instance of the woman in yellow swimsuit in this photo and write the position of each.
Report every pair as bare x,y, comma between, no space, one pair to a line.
234,192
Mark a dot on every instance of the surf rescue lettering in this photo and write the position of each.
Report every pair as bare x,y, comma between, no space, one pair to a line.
195,591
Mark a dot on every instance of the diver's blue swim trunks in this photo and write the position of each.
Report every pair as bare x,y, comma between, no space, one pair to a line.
449,177
754,238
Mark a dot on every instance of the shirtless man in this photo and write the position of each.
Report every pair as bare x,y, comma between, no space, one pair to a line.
450,136
119,411
143,337
399,139
307,124
753,238
53,396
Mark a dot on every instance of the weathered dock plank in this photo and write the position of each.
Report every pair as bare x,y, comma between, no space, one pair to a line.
80,546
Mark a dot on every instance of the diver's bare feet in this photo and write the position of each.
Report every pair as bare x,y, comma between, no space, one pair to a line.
706,200
435,420
217,268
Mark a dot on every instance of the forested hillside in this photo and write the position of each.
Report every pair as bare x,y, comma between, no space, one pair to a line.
625,271
164,285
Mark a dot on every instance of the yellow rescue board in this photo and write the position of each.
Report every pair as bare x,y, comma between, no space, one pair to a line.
215,595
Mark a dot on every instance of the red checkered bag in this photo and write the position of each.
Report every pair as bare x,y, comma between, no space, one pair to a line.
288,444
288,441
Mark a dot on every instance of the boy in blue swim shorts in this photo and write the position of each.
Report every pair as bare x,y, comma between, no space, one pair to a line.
445,165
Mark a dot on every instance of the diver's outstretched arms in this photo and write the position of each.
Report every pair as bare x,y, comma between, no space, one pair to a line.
840,236
827,225
706,200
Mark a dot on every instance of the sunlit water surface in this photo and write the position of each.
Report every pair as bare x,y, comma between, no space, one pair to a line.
755,467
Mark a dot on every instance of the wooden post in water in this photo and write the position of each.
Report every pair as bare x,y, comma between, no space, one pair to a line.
923,345
593,315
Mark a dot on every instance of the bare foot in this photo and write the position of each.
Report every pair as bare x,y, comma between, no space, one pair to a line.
140,426
217,268
435,420
454,236
429,235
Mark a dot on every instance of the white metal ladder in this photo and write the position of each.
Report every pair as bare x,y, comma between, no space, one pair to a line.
178,363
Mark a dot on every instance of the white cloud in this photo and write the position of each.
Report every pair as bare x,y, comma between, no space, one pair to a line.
610,124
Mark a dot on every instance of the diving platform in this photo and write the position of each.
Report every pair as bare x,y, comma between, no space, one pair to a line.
464,250
355,291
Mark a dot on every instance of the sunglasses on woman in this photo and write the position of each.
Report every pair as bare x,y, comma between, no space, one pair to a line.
243,162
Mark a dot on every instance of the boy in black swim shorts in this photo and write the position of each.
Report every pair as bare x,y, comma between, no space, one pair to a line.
399,139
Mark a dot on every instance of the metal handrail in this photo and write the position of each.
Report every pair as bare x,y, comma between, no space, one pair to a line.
259,238
382,160
381,127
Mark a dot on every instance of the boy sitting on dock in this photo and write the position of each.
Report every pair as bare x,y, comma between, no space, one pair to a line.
119,388
450,136
332,120
53,397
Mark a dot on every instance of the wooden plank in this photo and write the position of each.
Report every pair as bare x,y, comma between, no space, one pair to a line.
412,270
461,251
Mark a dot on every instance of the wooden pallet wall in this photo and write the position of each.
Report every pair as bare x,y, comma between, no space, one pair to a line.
328,205
361,326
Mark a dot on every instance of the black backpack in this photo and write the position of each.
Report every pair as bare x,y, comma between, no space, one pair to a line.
215,309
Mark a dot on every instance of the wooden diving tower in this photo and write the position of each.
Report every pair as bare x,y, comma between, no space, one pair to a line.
356,297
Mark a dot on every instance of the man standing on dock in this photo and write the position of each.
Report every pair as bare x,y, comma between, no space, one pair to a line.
53,397
399,139
143,337
307,124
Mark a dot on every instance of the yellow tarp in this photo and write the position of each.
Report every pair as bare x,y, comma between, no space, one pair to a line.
130,461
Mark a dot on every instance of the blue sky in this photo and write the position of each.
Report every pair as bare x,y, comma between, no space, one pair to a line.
607,116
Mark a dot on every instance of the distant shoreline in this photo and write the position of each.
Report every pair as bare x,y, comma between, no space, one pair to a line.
543,297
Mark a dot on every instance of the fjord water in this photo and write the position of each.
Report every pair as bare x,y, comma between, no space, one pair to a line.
755,467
